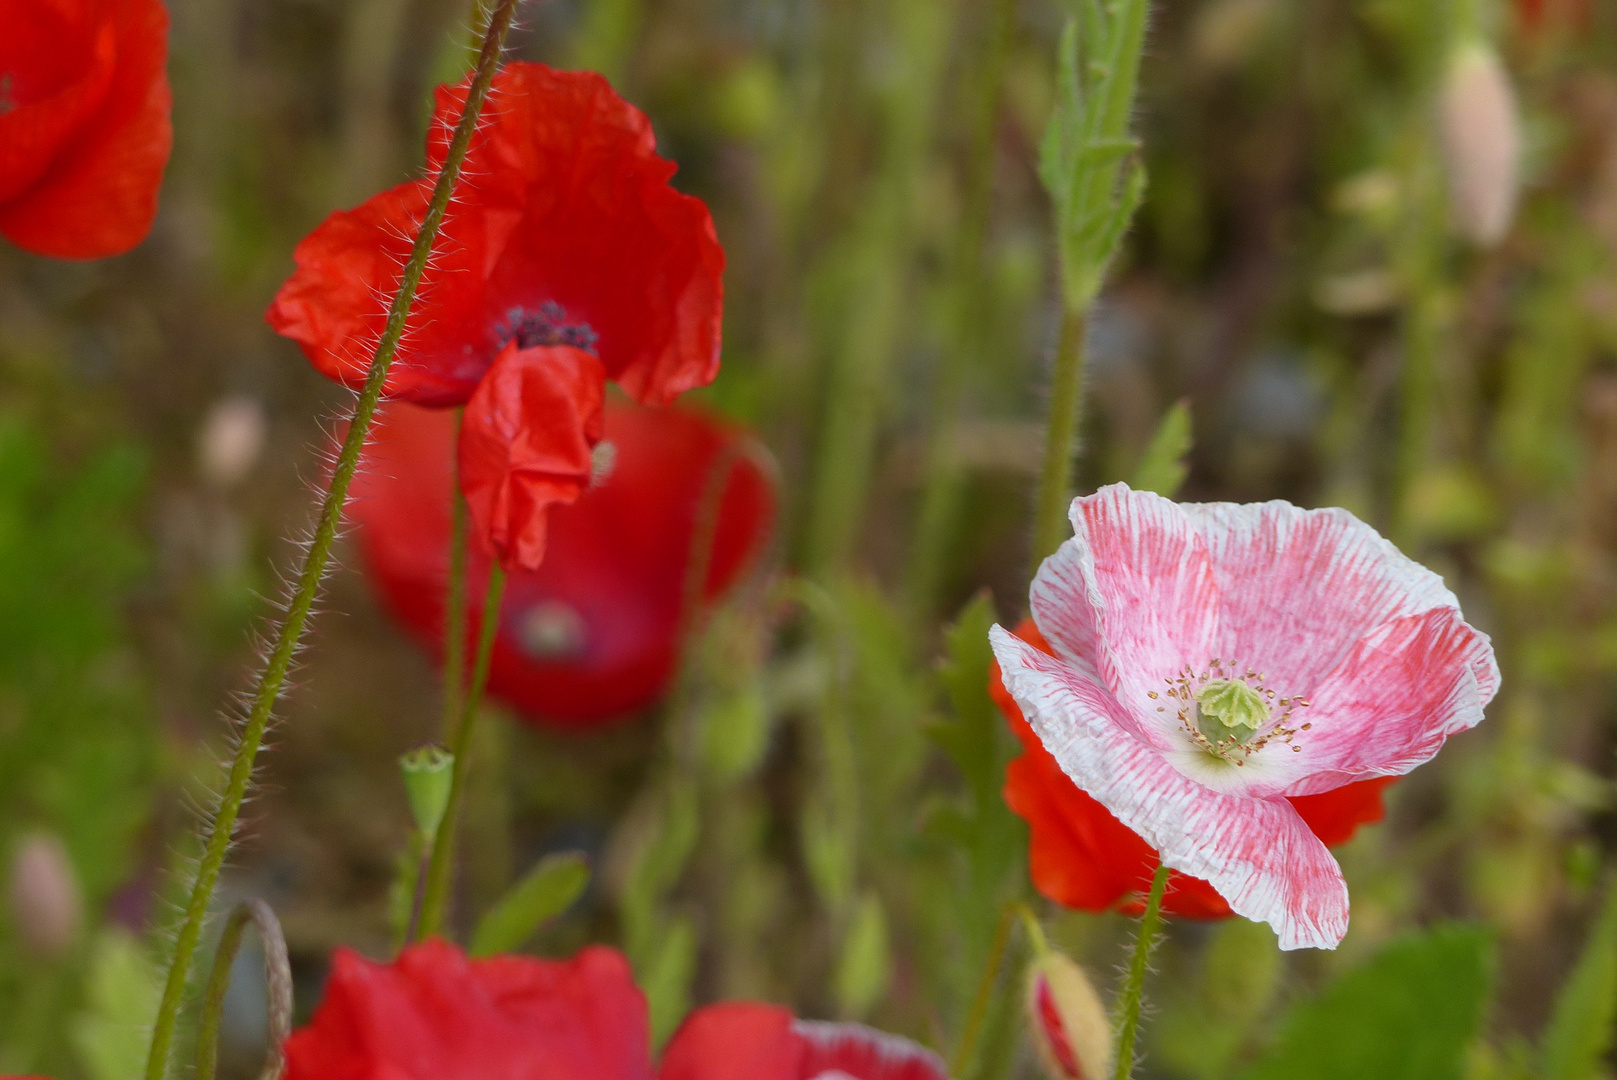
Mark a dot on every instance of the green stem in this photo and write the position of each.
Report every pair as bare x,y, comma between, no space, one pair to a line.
277,973
455,600
940,496
985,992
290,633
436,899
1061,436
1129,1020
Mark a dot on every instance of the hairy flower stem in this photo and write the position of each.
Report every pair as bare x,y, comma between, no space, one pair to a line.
435,902
1129,1017
1060,438
270,681
277,973
455,601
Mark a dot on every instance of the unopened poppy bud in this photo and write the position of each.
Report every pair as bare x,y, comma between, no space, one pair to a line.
45,901
1070,1028
1481,138
428,775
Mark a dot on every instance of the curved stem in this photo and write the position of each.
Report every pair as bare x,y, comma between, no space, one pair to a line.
277,973
222,828
455,600
985,993
1061,435
436,899
1129,1019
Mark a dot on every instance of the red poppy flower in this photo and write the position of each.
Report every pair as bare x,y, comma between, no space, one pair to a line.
1082,857
563,231
593,633
434,1015
84,123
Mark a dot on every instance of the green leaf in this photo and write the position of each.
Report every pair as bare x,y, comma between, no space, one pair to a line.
121,995
1162,469
1411,1013
548,890
666,979
864,967
971,739
1580,1030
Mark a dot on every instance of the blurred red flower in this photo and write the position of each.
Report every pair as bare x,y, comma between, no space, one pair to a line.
1082,857
593,633
1535,15
84,123
563,231
434,1015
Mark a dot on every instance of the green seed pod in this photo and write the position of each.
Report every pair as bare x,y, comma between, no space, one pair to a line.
428,774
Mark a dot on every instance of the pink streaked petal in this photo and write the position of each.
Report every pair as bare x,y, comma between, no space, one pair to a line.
837,1051
1132,594
1298,588
1393,700
1257,853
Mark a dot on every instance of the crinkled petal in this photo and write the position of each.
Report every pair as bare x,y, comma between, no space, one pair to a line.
1257,853
838,1051
335,304
99,195
525,445
434,1015
1393,700
1132,594
1298,588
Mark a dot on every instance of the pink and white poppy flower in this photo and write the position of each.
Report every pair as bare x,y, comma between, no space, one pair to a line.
1213,659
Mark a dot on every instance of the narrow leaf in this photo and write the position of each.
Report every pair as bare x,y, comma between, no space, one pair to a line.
1580,1030
1162,468
548,890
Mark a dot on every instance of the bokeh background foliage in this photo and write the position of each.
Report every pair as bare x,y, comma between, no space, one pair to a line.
813,816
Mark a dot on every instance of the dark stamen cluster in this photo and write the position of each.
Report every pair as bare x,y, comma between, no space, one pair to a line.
547,326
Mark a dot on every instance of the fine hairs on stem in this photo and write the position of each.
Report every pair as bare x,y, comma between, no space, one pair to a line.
1128,1021
289,634
435,900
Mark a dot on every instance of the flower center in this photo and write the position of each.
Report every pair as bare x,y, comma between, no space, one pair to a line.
546,326
1228,711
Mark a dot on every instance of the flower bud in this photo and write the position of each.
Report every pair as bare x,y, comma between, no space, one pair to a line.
1481,140
429,773
1071,1031
45,901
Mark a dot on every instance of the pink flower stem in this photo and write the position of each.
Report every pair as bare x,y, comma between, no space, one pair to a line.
277,973
1129,1018
289,635
435,901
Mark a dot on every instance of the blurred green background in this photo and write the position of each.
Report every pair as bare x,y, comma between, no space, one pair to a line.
815,819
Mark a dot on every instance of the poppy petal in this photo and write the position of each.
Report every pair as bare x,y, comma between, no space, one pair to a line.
734,1040
1258,853
525,445
99,195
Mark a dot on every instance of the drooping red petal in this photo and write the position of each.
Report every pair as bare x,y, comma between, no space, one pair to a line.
102,139
434,1015
615,564
525,445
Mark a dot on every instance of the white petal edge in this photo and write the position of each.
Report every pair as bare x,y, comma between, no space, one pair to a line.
1257,853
